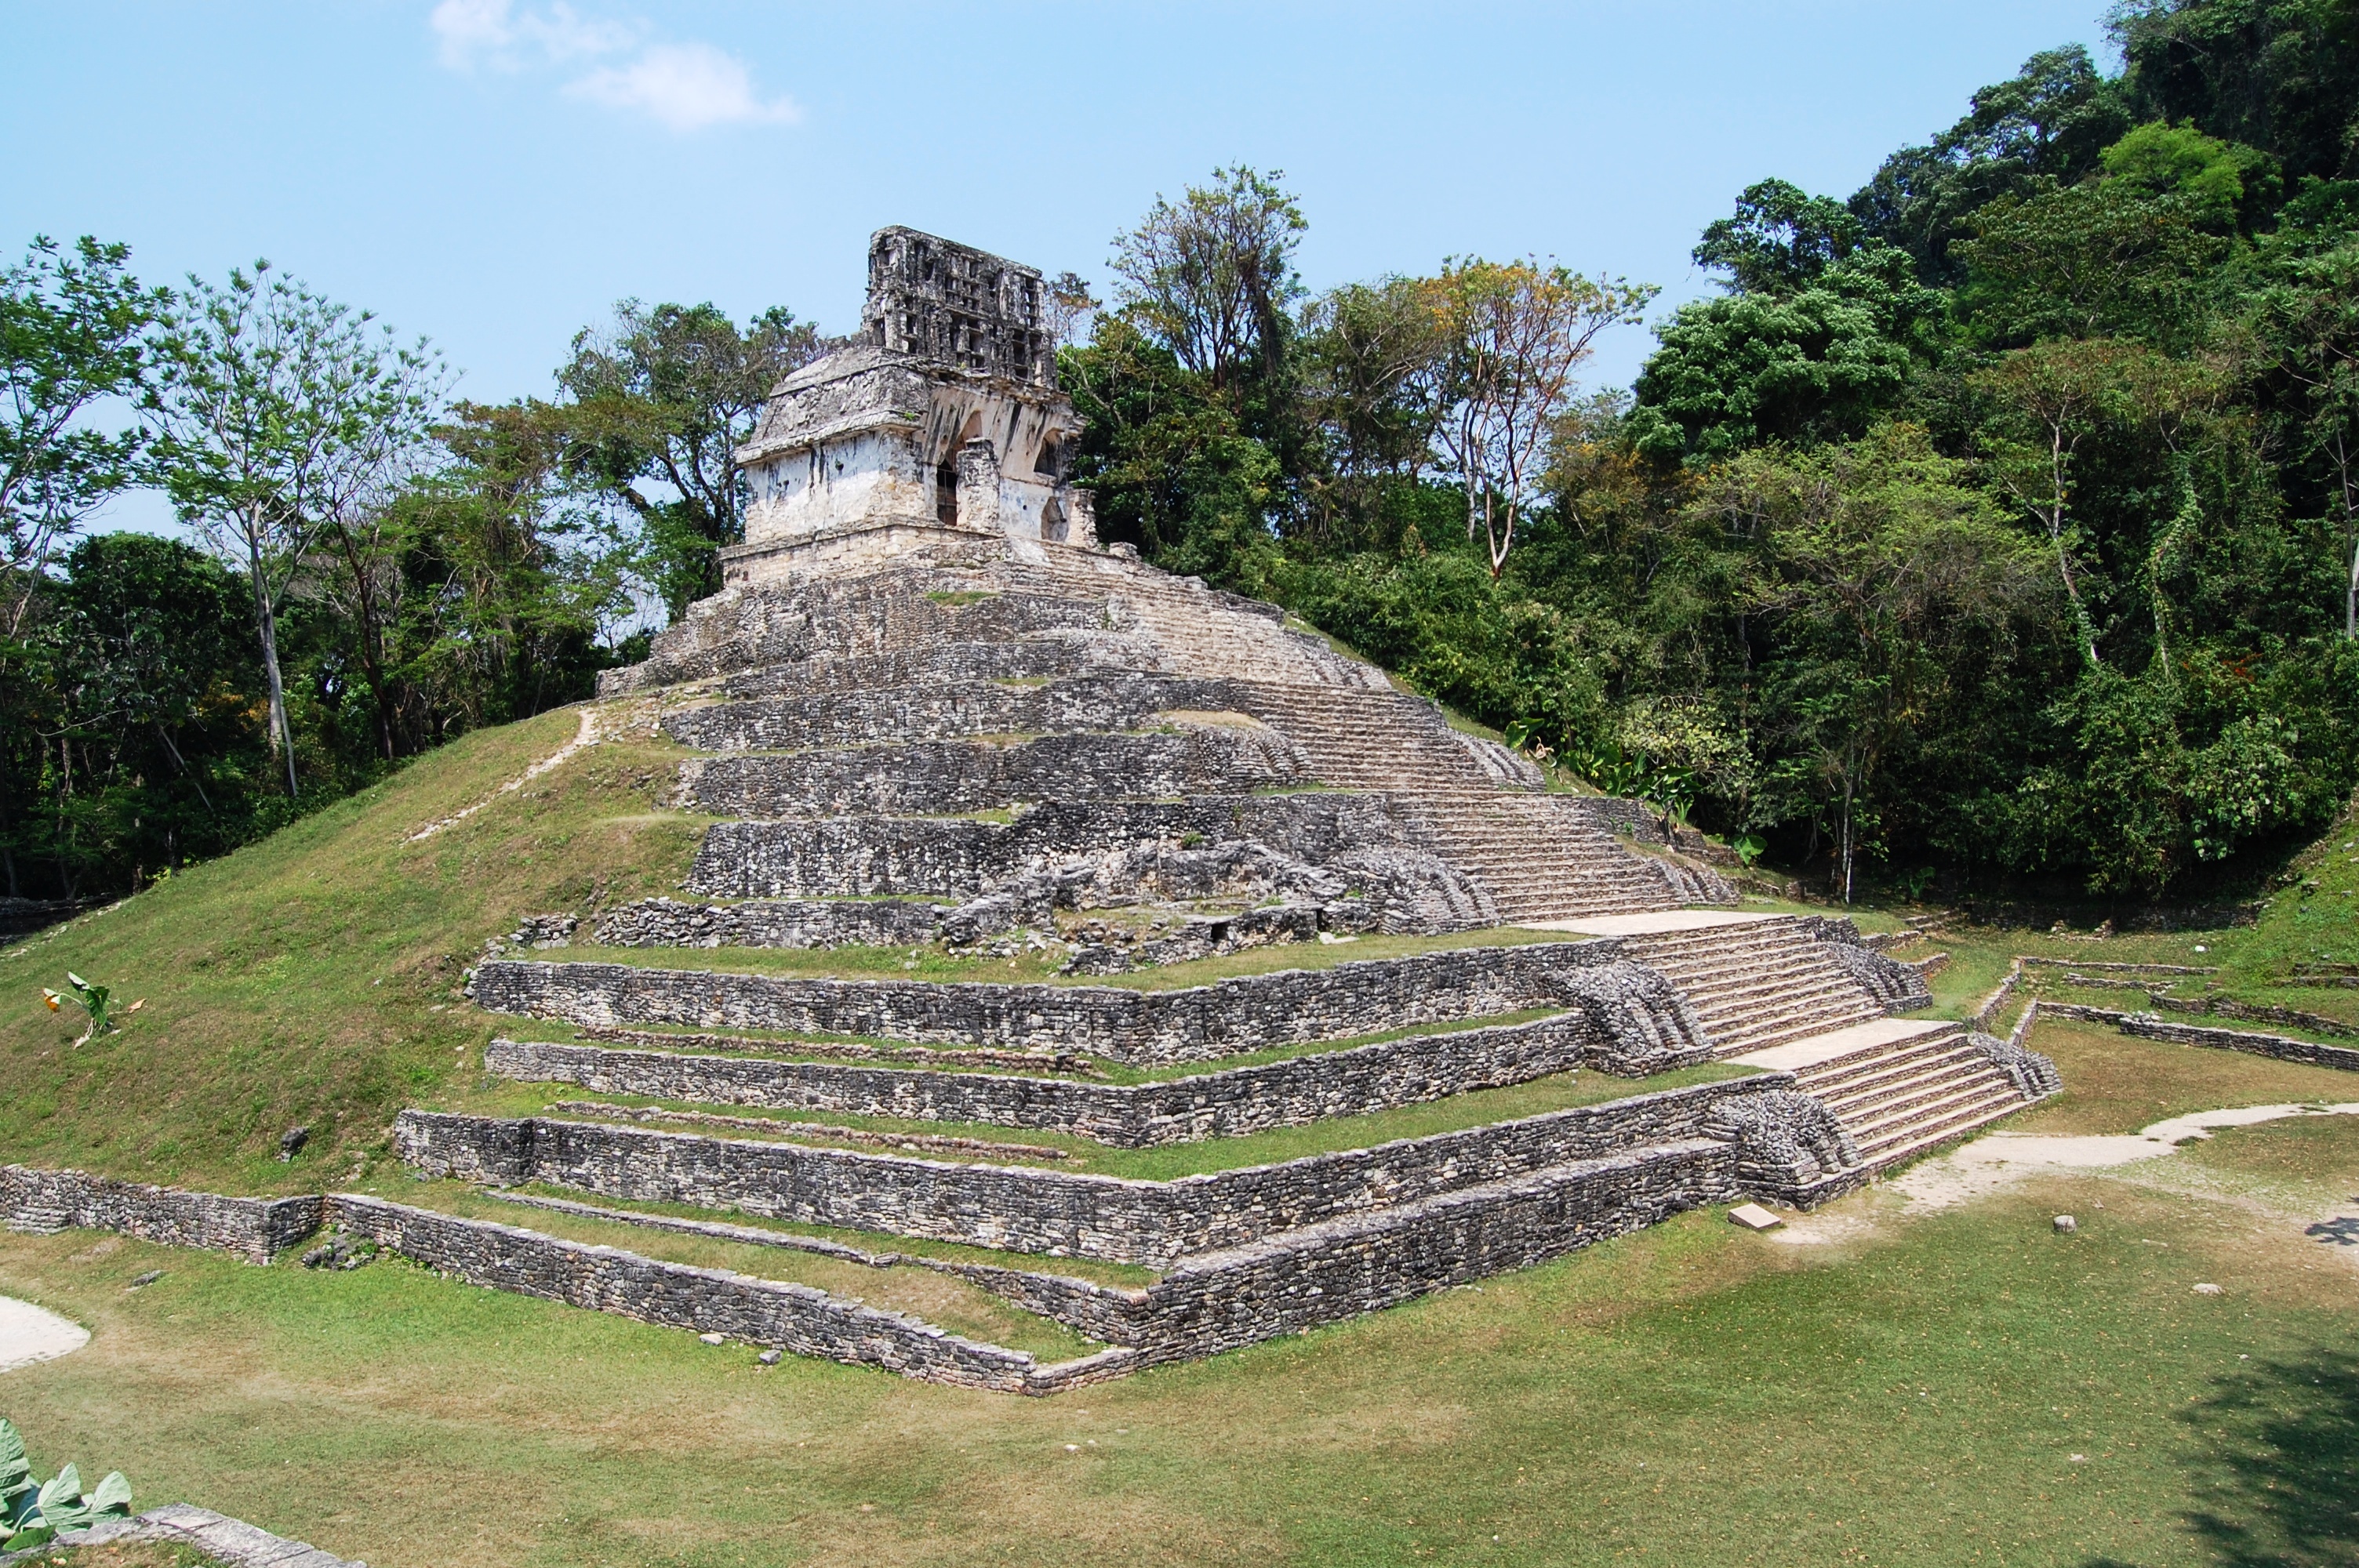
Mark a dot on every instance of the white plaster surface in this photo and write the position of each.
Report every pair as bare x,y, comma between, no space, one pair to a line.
30,1333
1836,1042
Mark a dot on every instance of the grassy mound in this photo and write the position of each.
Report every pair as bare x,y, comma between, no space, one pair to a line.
312,979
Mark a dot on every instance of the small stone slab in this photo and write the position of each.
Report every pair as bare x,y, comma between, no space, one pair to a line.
1753,1217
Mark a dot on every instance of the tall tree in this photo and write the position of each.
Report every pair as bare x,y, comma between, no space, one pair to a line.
1517,331
657,405
1885,577
2306,324
2051,122
282,414
73,335
1211,277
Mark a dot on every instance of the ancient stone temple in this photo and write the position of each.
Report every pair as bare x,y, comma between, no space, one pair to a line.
943,415
928,713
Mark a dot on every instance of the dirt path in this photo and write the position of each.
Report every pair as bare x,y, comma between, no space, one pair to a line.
584,737
30,1333
1999,1160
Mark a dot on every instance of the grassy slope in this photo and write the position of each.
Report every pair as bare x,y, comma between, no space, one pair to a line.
311,979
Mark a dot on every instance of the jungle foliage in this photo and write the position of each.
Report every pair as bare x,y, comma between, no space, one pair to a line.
1999,525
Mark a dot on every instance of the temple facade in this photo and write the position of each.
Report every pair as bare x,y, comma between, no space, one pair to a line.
943,417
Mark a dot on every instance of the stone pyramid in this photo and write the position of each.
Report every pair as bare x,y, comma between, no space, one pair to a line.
928,707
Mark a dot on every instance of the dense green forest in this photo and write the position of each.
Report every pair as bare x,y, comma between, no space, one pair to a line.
1996,528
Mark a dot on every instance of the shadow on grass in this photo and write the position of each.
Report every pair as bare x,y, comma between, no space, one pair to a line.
2274,1471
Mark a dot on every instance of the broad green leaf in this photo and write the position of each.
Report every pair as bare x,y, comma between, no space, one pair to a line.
114,1495
61,1491
16,1470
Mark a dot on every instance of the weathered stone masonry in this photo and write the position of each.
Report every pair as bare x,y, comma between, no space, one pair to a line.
253,1228
1138,1027
1228,1104
1027,1210
951,776
798,1318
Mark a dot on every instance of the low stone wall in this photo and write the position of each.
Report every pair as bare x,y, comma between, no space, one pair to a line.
1230,1018
252,1228
2146,1026
798,1318
1228,1104
1362,1263
945,777
2254,1012
1027,1210
1338,1269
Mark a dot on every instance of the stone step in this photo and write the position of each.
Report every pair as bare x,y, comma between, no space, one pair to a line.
1919,1136
1901,1099
1836,1081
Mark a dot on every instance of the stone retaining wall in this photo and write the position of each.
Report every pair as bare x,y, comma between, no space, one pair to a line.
1360,1263
1027,1210
945,777
253,1228
800,1318
2146,1026
861,857
921,703
1228,1104
1143,1028
1363,1263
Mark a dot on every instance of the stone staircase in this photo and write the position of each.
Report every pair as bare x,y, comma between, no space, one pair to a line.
1757,983
1899,1089
1197,631
1385,740
1540,855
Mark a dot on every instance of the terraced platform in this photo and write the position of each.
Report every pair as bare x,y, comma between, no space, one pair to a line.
933,715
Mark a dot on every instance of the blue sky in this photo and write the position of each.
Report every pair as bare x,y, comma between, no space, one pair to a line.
497,175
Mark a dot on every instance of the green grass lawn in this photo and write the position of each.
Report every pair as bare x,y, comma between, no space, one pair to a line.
1693,1394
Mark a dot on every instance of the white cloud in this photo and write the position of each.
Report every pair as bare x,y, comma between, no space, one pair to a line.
683,86
686,87
493,32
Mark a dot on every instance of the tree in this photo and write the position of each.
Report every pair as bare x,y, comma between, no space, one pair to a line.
665,397
2215,178
1211,277
2050,123
1517,333
1781,239
2051,397
2307,325
73,335
282,416
508,584
1886,576
2105,257
2279,75
1819,362
1373,361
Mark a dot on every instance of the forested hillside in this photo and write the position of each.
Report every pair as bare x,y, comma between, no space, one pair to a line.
1997,526
1994,529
